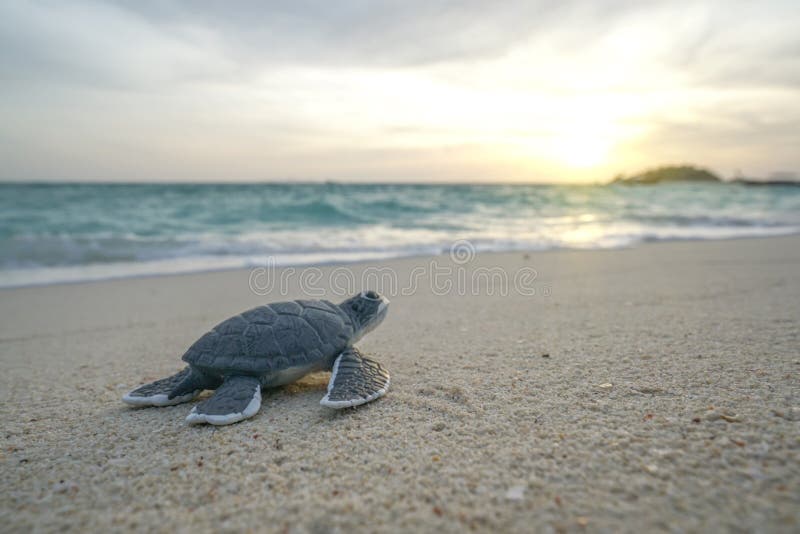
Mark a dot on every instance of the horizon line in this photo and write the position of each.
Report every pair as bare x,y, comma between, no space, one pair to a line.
291,182
3,182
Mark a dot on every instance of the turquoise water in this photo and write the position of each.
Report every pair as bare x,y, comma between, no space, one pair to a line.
53,233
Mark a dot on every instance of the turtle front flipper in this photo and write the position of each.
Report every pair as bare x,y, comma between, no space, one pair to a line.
355,380
180,387
239,397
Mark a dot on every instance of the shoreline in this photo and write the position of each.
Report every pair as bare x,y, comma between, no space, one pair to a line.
357,262
651,388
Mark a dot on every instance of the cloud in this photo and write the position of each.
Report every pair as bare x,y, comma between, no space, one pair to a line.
134,42
131,43
352,32
100,46
743,44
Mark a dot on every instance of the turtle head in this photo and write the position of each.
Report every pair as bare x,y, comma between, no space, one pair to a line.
367,310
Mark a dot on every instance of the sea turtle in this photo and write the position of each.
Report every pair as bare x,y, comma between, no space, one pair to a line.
271,346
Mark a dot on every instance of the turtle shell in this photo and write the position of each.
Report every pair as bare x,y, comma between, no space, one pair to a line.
274,337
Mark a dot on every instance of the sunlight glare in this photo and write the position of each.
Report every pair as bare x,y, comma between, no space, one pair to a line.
582,149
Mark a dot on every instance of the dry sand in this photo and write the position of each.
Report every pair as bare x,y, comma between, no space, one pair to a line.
652,388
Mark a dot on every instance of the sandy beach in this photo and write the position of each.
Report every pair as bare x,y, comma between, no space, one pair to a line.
653,388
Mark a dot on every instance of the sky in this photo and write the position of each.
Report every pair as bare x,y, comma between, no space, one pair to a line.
423,91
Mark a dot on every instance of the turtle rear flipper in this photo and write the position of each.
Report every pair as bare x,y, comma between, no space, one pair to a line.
355,380
180,387
239,397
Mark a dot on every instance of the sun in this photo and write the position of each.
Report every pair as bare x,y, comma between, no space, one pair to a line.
582,150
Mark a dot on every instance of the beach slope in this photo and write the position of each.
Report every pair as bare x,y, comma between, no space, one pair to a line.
653,388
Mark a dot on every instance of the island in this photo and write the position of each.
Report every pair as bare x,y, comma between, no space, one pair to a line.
668,174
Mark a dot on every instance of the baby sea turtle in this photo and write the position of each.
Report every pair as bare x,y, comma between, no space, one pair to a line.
271,346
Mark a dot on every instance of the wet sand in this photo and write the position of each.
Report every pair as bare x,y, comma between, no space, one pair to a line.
653,388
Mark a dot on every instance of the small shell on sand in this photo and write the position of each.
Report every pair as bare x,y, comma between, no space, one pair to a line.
516,493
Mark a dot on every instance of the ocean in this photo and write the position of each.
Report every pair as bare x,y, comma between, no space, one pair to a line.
53,233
